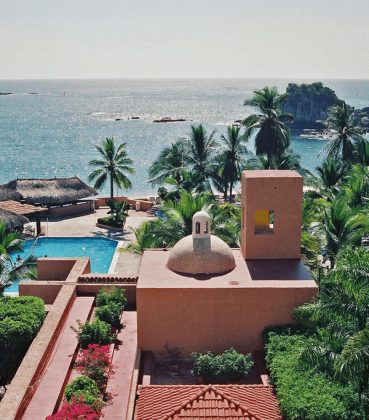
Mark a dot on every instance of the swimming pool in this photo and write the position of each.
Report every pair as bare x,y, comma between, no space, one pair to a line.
99,250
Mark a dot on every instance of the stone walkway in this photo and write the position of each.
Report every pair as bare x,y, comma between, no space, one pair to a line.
85,225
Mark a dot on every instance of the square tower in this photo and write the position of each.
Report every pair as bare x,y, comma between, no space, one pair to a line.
271,214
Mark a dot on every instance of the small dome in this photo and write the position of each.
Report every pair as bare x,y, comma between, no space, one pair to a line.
196,257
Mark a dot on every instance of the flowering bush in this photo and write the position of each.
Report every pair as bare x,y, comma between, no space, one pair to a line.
94,362
86,388
76,410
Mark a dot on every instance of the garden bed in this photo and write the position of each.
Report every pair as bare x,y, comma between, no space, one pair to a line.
166,371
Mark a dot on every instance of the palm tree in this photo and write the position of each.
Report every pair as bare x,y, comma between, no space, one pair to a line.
232,158
145,238
113,163
179,215
9,241
326,184
272,135
9,271
168,164
201,151
342,226
190,181
286,160
341,344
345,126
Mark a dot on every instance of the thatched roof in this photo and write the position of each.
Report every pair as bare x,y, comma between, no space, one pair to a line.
8,194
51,190
12,220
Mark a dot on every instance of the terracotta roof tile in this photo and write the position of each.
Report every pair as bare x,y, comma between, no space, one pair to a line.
107,278
207,402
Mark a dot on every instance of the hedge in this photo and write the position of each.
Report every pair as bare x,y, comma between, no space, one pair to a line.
305,393
20,320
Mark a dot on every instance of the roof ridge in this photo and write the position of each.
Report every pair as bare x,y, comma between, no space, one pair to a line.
203,389
236,403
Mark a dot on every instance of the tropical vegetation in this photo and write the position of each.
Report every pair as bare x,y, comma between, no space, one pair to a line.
10,271
228,366
20,320
112,165
272,135
320,366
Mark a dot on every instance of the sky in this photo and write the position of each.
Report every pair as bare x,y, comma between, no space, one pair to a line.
80,39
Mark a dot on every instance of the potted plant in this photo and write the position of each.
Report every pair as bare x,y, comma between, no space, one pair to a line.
118,214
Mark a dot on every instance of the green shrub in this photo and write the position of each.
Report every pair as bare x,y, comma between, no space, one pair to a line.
111,294
20,320
306,393
86,387
233,365
109,313
96,332
205,364
81,385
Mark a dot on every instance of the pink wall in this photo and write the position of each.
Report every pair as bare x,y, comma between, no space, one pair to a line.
280,191
204,313
144,203
62,268
73,208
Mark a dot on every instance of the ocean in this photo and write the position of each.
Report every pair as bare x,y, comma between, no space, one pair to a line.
49,128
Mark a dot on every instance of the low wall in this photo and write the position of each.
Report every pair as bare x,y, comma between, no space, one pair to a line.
93,289
23,384
71,209
62,268
52,274
144,203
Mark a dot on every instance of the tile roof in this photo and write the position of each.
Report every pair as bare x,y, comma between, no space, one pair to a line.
20,208
207,402
108,278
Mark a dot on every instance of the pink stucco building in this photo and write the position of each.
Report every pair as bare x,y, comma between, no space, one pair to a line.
187,299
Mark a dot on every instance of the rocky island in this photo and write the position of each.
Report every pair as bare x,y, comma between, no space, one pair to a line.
308,103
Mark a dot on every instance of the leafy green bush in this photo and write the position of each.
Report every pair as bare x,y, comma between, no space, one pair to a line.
305,393
109,313
83,386
111,294
20,320
233,365
96,332
205,364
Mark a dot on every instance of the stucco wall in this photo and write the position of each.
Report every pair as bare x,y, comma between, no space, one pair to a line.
280,191
215,319
212,313
144,203
71,209
62,268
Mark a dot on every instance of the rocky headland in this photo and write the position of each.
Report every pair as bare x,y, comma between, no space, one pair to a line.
308,103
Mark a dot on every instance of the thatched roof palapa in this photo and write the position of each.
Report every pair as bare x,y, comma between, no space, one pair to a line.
8,194
12,220
51,191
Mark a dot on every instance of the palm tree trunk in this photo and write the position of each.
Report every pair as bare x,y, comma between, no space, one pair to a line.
270,160
111,188
230,192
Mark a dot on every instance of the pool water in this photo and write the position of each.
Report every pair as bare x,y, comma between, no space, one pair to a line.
99,250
